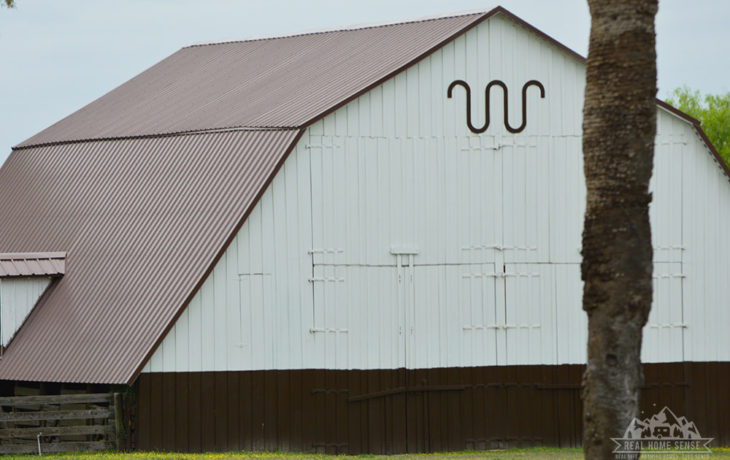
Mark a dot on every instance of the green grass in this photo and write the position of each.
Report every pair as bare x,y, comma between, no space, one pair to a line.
540,453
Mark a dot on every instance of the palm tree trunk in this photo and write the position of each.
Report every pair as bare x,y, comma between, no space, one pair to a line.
619,126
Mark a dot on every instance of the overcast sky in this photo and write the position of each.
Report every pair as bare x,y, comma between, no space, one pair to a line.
58,55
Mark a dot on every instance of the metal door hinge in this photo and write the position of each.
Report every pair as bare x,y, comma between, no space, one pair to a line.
328,331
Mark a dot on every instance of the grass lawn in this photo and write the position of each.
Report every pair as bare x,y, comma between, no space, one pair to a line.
533,453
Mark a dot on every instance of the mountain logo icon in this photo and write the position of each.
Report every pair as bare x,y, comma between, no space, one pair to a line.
663,432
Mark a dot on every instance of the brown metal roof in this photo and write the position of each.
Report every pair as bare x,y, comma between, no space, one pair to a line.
32,264
282,82
144,211
141,221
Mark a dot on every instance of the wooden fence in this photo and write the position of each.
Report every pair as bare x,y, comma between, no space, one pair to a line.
60,423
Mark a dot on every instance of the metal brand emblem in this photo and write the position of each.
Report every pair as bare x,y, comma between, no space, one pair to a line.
488,89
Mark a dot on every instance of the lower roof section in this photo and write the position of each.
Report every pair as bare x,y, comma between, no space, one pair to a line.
32,264
142,222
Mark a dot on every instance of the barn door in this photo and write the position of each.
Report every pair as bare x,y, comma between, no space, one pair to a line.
364,316
405,279
526,315
454,315
525,203
526,326
664,331
358,317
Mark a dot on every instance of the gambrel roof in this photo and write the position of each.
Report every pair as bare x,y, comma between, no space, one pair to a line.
144,188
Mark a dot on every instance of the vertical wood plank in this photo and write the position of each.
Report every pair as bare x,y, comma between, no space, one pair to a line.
195,428
208,417
182,411
143,422
220,401
233,406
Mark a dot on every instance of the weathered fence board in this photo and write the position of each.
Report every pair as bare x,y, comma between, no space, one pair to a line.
56,415
118,421
15,401
30,448
71,430
96,421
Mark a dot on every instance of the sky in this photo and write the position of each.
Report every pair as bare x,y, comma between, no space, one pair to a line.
58,55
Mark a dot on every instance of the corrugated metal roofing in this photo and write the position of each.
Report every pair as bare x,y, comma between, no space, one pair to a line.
144,211
283,82
141,220
32,264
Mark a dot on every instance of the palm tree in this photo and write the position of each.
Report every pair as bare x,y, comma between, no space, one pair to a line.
619,126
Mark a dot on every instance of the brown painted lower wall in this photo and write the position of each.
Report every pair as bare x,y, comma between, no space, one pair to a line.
392,411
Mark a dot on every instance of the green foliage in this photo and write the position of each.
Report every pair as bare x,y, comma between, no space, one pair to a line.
713,111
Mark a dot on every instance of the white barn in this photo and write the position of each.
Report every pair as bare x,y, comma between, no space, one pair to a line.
406,276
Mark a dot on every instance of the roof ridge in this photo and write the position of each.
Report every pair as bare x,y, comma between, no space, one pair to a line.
350,28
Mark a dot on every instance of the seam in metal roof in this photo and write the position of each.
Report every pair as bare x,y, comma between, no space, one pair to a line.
172,134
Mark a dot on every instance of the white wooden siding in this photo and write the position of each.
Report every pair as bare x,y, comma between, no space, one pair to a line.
18,296
705,257
394,237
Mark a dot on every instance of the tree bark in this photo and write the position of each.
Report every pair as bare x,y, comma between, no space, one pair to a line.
619,126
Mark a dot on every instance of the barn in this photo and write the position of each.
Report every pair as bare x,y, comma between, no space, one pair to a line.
355,240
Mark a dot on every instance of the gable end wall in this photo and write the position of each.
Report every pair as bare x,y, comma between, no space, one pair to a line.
394,237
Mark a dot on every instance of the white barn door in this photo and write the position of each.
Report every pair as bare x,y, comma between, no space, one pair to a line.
473,286
406,301
529,315
527,329
358,318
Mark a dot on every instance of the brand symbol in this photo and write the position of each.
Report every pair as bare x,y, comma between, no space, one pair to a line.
488,89
662,433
